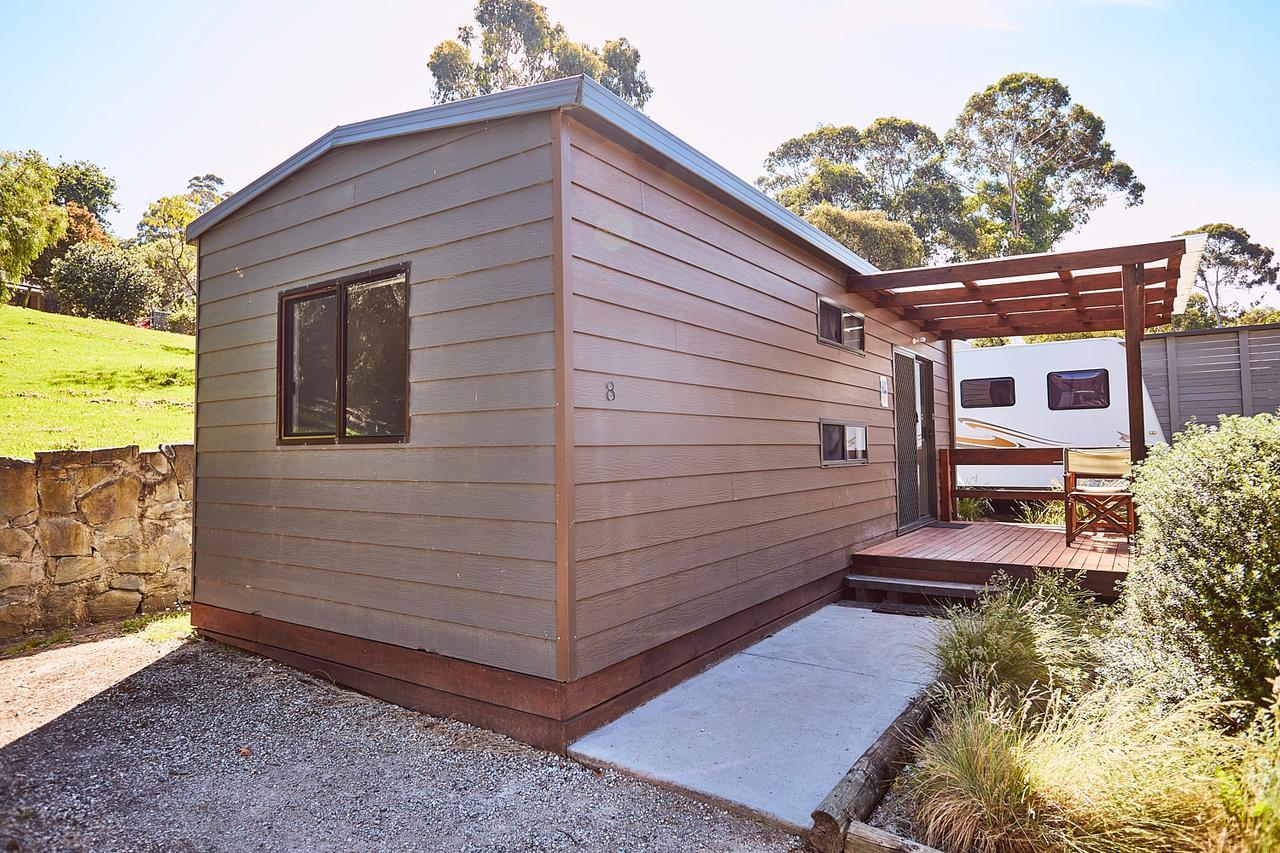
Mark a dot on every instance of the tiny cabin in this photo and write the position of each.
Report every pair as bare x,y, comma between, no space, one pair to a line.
518,409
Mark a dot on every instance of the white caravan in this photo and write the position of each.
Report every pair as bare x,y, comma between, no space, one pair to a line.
1060,394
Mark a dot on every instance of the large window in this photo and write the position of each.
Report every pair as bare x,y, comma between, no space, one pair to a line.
344,360
840,326
843,442
986,393
1079,389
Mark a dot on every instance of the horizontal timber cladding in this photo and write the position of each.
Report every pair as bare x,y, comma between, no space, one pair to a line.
446,543
697,390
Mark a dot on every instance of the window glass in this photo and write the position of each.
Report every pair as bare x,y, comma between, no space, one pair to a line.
855,443
833,442
843,442
1079,389
986,393
377,358
840,326
311,368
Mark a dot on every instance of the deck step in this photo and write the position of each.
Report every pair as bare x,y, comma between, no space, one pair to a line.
933,589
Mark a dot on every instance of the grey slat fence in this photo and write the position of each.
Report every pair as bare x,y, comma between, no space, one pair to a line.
1198,375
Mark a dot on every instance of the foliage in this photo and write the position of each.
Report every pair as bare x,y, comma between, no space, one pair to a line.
1197,315
519,45
1261,315
92,280
887,244
972,509
894,166
159,627
182,318
30,220
1024,638
1111,772
87,185
1201,604
161,243
981,343
1232,261
1042,512
68,382
1039,164
82,227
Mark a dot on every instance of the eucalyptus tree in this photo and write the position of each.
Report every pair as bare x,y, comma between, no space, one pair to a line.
30,218
1232,262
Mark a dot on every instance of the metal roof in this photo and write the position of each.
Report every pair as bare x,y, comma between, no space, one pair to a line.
578,93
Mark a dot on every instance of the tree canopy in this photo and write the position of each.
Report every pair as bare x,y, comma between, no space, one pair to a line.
93,280
518,44
86,184
82,227
872,234
30,218
1232,262
1039,164
161,244
1022,167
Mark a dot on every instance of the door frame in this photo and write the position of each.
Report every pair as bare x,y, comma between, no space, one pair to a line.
931,442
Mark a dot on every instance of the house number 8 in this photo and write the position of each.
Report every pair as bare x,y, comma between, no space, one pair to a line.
609,393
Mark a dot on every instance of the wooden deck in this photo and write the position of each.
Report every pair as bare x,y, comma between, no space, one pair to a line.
970,552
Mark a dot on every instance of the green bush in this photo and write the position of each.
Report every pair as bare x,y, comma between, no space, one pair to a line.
103,282
182,319
1201,607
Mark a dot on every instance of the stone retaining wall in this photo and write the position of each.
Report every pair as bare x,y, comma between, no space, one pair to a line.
90,535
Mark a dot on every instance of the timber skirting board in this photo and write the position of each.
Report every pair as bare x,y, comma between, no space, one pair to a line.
540,711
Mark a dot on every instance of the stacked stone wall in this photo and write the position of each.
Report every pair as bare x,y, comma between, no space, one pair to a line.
92,535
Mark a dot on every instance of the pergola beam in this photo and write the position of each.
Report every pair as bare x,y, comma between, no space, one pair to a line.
1014,289
1018,265
1110,317
1095,299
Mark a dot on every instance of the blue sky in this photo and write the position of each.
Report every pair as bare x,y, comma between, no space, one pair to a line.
157,92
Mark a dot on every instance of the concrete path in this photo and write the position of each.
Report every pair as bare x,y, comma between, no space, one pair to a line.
775,727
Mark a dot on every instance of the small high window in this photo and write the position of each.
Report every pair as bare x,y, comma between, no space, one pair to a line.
344,360
1079,389
843,442
986,393
840,326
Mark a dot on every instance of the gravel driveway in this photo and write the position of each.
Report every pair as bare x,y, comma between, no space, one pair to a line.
205,748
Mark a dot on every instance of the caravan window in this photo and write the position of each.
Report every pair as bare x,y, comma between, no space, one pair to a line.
986,393
840,326
1079,389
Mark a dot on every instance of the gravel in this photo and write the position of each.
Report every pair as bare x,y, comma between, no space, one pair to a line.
206,748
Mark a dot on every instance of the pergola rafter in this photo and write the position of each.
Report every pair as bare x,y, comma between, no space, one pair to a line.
1097,290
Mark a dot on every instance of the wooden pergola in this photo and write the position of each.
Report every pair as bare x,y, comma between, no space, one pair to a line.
1129,288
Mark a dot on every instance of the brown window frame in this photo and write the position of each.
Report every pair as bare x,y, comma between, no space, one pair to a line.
823,423
337,286
843,309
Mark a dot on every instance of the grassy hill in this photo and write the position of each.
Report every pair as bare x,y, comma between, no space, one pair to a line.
67,382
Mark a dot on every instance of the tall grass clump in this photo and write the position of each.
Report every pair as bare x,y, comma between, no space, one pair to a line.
1201,605
1025,636
972,509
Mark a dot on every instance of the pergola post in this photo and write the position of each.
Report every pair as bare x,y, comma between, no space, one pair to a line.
1131,279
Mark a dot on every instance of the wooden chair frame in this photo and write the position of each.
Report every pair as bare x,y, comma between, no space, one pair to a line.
1103,511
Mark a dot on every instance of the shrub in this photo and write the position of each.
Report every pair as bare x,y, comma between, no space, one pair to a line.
972,509
182,319
103,282
1202,604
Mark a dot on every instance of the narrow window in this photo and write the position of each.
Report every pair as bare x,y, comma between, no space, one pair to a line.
843,442
986,393
344,360
1079,389
840,326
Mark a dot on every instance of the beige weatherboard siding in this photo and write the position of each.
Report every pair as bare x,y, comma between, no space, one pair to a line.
446,543
616,386
698,489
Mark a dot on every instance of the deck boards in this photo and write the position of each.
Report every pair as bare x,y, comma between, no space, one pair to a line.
968,551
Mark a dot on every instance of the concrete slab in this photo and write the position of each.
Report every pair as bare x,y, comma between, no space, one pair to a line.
772,729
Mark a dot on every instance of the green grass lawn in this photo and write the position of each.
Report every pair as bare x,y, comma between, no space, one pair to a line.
68,382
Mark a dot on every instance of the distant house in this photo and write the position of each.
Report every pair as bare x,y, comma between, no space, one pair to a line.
519,409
